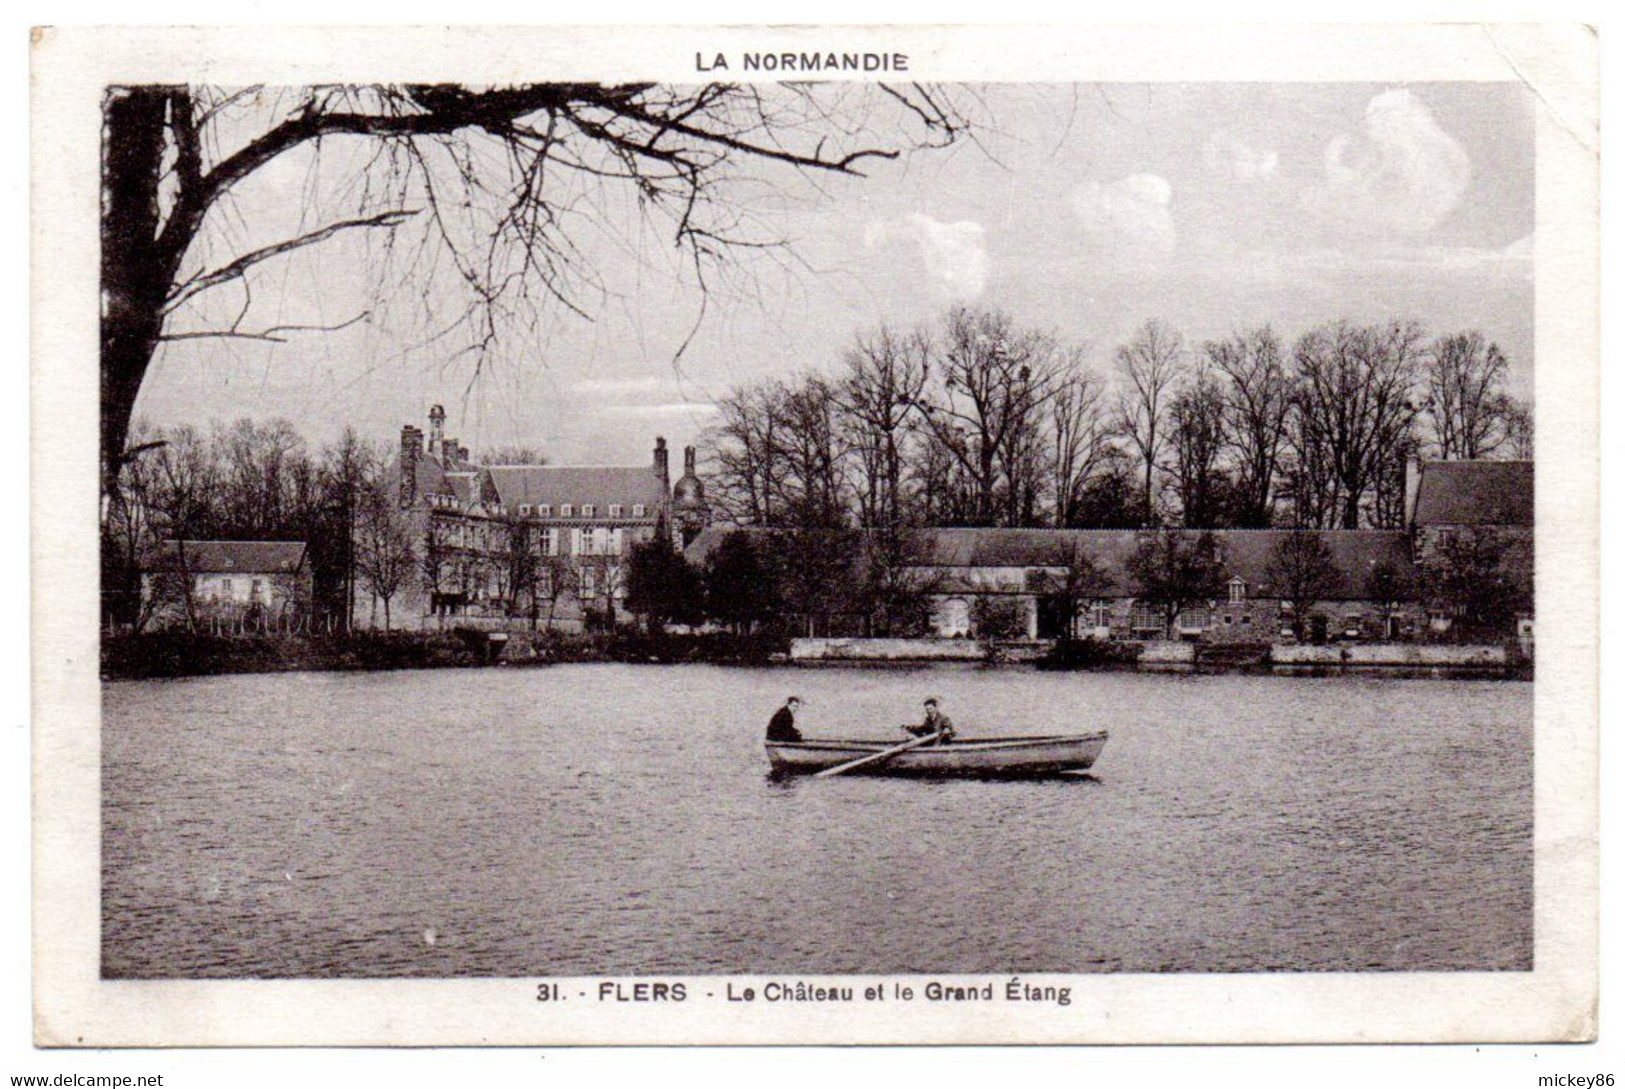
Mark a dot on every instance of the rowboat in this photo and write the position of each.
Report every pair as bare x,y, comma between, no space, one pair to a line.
991,758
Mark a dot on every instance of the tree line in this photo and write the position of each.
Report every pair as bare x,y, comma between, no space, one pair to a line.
985,422
245,480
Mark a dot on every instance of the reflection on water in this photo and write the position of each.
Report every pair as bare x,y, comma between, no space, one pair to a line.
605,819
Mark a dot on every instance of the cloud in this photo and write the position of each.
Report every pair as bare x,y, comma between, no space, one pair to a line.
953,254
1127,220
620,387
1515,260
671,408
1402,176
1227,153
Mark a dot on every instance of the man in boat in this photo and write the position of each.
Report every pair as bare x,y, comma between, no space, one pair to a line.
935,723
782,727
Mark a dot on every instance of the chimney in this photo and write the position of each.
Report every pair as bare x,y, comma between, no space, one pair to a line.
662,468
448,452
688,461
411,453
437,430
1413,484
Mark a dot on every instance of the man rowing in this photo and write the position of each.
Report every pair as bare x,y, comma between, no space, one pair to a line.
782,726
935,723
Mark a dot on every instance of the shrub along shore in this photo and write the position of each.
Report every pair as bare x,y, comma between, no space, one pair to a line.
183,654
187,654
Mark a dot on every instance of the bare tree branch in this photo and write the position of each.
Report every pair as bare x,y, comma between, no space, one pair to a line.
205,280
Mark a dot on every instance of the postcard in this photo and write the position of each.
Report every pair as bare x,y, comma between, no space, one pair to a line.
825,535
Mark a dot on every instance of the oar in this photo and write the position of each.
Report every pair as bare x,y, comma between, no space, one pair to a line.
883,754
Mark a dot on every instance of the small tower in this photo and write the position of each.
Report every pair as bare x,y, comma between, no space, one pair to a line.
688,506
437,430
411,453
662,465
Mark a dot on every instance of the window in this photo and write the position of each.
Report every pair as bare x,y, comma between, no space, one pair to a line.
1100,615
545,510
1194,620
614,510
617,542
524,508
544,541
589,582
225,587
544,582
1238,590
566,510
637,510
1145,616
588,510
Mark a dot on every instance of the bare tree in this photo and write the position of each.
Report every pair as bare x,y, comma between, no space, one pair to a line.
1175,570
1073,581
130,532
186,480
1196,433
441,570
470,178
1302,572
1150,366
556,578
386,556
266,481
745,473
1354,400
347,468
1257,398
1466,577
809,447
1464,399
1081,433
879,393
515,454
1520,428
947,496
995,381
519,565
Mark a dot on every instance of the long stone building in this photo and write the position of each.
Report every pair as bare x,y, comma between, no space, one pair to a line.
1384,584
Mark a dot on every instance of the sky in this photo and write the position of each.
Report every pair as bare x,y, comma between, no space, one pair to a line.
1083,210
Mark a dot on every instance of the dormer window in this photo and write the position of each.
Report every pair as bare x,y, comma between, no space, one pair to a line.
614,510
1238,591
545,510
565,510
524,509
637,510
588,510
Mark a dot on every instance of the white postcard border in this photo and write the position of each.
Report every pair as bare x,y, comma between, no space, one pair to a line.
74,1006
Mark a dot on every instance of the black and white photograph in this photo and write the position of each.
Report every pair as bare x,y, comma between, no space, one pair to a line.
810,539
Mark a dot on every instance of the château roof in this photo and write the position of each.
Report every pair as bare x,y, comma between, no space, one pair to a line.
228,557
555,485
1476,493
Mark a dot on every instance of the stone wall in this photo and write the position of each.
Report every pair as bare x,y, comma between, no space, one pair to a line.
1392,655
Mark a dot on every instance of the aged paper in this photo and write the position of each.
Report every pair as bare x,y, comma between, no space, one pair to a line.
302,859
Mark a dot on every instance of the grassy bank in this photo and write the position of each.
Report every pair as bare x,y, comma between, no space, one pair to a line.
183,654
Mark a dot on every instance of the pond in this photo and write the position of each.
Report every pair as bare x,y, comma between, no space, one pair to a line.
619,819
